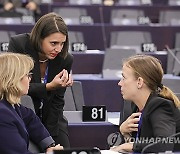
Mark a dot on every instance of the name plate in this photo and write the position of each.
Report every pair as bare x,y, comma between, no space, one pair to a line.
148,47
94,113
28,20
4,46
143,20
86,20
96,1
79,47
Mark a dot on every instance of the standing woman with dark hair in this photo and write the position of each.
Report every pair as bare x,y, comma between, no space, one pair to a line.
48,45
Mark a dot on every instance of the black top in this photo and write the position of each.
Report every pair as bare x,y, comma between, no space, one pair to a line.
160,118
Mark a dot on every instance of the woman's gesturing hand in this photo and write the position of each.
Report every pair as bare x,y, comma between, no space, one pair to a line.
63,79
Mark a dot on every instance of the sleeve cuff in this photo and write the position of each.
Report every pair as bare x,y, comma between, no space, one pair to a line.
46,142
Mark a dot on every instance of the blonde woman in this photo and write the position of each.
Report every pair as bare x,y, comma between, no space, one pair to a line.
18,124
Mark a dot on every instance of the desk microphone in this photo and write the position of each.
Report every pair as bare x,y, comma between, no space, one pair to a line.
174,56
171,52
144,150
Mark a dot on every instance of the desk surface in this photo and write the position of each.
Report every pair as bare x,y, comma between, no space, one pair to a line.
98,36
92,63
88,134
99,91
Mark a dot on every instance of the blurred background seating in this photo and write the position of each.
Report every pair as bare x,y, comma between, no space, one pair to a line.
170,17
129,39
4,39
126,16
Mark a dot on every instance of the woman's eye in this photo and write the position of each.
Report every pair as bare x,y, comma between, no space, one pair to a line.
53,43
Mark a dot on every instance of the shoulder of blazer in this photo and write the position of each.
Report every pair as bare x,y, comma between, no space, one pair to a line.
69,57
157,101
20,40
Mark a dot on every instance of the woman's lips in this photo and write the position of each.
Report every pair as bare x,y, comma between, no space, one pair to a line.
53,55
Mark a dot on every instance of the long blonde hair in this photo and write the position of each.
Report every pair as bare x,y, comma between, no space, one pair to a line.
13,67
150,69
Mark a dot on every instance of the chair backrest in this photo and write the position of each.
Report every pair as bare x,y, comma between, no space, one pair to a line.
75,37
126,16
17,16
130,2
74,98
174,63
10,20
176,68
71,15
80,2
174,2
173,66
173,82
135,2
112,64
131,39
170,17
69,100
4,39
28,102
177,40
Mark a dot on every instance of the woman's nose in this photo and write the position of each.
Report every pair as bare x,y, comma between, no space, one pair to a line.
58,48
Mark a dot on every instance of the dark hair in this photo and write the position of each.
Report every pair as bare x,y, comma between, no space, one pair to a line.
150,69
48,24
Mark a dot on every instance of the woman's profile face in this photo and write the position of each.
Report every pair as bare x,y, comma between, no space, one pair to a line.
53,44
25,83
128,83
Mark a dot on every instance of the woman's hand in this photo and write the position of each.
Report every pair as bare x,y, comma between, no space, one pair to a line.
63,79
126,147
131,124
8,6
57,147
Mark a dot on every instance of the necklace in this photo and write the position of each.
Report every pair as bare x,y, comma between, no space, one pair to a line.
43,61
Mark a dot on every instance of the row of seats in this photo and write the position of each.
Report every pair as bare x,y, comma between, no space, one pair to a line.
75,97
120,40
118,16
116,2
117,39
115,15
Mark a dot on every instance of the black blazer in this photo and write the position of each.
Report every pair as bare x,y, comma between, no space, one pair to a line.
160,118
53,106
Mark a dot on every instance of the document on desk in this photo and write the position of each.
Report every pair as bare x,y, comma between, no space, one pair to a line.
108,152
113,117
